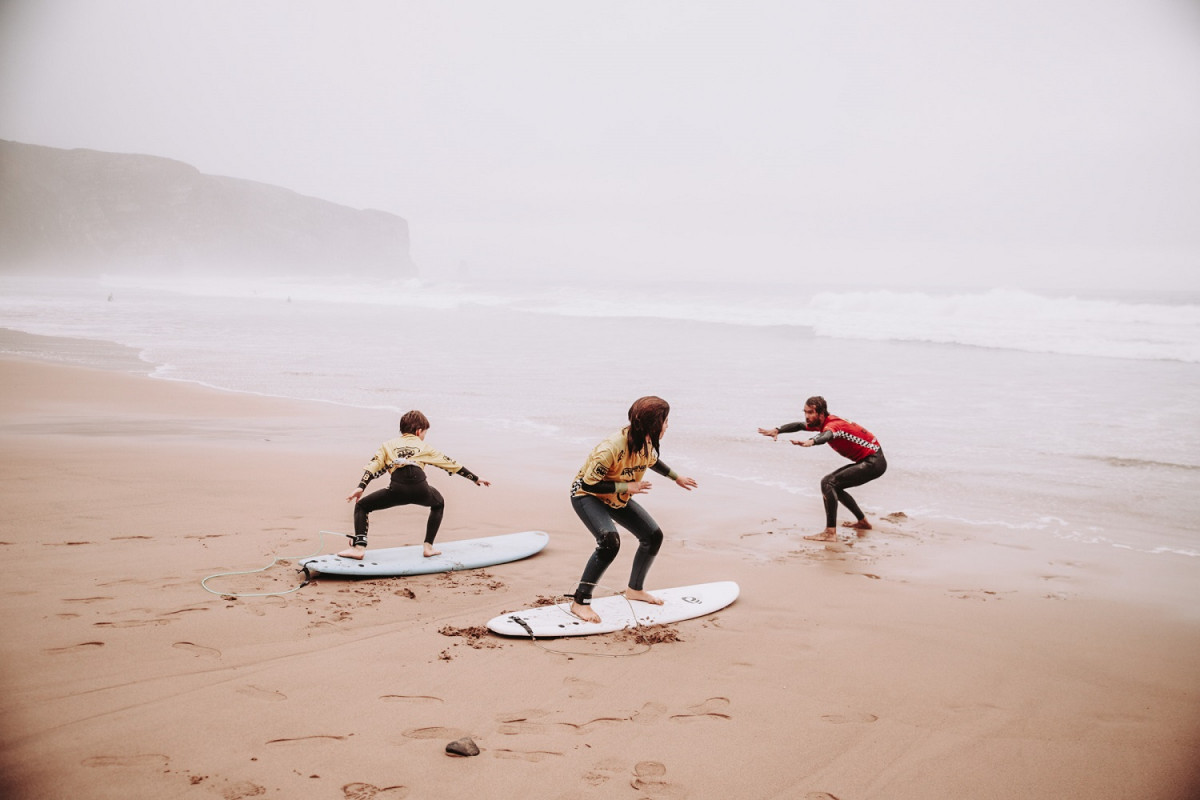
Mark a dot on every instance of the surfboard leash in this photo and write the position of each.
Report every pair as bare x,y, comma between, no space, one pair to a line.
307,575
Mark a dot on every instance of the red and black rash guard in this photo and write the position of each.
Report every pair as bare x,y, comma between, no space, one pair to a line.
845,437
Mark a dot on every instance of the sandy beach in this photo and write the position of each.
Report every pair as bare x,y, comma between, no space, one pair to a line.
925,663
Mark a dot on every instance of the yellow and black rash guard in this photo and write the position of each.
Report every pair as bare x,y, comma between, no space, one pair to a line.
610,468
410,450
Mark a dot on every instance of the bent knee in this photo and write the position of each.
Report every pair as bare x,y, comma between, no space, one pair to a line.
608,543
654,541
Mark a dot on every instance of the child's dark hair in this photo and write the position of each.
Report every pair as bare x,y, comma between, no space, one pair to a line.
647,416
413,421
818,404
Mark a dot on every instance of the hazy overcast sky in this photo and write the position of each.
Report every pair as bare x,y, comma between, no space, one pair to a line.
871,142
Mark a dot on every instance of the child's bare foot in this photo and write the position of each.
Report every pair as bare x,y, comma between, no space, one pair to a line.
354,552
430,552
827,535
585,613
862,526
645,597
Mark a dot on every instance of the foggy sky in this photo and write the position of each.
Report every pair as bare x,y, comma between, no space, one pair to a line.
871,144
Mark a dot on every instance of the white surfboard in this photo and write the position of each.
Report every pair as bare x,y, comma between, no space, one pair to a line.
679,603
410,560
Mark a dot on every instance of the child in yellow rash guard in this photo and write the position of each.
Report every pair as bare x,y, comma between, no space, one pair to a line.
405,458
602,496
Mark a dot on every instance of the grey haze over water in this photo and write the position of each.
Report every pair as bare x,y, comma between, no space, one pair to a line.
928,145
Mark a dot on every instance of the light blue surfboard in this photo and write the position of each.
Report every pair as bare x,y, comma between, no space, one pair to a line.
410,560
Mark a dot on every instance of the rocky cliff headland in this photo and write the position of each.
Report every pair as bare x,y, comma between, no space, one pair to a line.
87,212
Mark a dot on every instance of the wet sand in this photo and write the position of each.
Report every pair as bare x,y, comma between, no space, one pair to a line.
926,662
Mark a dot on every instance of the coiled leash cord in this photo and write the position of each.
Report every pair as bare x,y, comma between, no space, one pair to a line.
307,578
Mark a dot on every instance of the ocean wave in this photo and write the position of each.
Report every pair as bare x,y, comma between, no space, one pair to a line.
1005,319
1015,320
1116,461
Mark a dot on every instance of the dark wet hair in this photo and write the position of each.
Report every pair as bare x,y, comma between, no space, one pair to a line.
818,404
647,416
413,421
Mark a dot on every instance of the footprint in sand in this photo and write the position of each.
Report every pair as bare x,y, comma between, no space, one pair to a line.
410,698
580,689
242,790
293,740
603,772
713,708
74,647
518,722
199,651
365,791
185,610
650,712
650,777
140,760
526,755
842,719
973,594
259,693
526,722
449,734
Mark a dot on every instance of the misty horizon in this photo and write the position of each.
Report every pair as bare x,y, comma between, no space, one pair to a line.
1002,146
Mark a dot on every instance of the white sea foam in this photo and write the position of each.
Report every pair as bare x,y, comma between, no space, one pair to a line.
1001,319
1015,320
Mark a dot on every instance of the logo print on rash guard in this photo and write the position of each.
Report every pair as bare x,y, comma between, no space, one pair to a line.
858,440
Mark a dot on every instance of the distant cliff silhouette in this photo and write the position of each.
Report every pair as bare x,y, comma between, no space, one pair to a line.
84,211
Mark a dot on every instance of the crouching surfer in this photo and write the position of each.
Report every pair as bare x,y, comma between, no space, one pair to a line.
847,439
602,496
405,458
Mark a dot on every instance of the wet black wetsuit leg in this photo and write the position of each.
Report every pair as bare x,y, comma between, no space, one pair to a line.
601,521
408,487
834,485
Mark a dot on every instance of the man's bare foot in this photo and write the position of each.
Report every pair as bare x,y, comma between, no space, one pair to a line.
862,526
430,552
585,613
354,552
827,535
645,597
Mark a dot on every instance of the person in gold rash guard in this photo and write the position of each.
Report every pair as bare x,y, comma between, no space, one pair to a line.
405,458
602,496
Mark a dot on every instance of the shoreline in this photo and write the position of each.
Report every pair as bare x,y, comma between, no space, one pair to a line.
924,663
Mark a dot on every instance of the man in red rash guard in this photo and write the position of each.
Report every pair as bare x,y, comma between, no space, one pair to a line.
848,439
